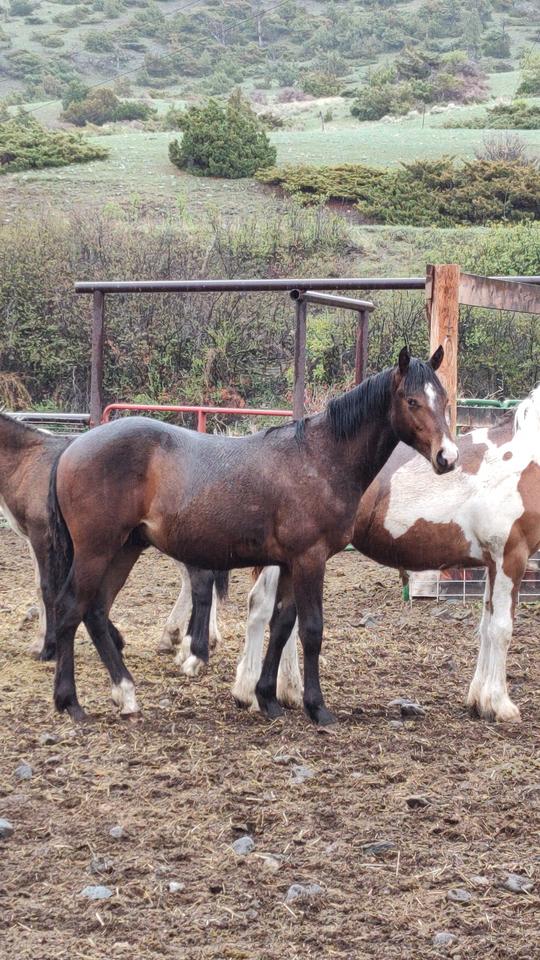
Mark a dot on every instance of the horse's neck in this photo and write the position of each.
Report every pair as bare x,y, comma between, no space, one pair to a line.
374,444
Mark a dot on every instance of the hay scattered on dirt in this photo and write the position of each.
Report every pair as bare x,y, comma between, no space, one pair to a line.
195,774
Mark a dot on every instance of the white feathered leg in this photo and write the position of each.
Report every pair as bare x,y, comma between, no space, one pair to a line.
261,602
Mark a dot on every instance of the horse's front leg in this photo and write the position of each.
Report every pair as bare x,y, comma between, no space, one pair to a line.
488,694
281,626
308,580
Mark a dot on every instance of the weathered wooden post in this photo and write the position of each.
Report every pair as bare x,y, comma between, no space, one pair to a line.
96,371
442,305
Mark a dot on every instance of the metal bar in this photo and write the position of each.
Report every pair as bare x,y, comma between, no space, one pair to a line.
201,421
299,360
187,408
362,342
245,286
33,416
329,300
96,369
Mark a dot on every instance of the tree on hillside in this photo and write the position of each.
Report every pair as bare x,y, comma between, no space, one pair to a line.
221,141
530,78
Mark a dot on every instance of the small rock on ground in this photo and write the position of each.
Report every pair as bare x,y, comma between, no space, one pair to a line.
6,829
100,865
117,832
243,846
97,892
379,847
48,739
459,895
301,773
303,891
518,884
24,771
176,887
443,939
416,802
405,708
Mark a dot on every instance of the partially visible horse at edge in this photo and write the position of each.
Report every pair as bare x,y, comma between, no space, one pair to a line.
485,513
286,495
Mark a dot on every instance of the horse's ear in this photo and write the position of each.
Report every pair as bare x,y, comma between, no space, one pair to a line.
437,358
403,361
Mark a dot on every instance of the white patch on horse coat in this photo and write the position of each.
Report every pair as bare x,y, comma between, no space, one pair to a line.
449,450
260,606
123,695
192,665
430,394
290,690
178,618
485,504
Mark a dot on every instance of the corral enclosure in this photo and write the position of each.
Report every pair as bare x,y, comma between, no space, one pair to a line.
194,774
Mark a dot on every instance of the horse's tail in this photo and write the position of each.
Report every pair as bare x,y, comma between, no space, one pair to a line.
221,583
60,542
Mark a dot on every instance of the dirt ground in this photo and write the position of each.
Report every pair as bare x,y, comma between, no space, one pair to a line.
195,773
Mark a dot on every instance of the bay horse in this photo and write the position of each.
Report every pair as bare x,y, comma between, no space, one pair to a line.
286,495
485,513
27,456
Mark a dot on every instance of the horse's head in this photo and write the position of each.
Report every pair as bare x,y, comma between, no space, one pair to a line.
418,412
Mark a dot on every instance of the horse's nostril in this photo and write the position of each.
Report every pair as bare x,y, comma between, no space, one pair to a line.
442,462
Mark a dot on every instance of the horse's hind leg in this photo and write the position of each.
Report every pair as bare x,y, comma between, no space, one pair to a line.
106,638
289,682
174,629
281,625
261,602
197,636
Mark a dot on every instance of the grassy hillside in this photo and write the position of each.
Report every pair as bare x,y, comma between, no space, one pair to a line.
195,47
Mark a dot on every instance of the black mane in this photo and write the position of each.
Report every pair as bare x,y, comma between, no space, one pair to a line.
371,399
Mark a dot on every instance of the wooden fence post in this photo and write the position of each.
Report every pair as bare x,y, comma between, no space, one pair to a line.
442,304
96,371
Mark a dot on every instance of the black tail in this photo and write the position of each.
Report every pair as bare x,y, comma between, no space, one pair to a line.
221,583
60,543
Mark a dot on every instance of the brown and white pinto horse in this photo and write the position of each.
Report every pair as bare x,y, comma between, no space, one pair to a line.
287,495
486,513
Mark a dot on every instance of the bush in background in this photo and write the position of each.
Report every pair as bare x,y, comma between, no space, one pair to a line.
26,145
103,106
220,141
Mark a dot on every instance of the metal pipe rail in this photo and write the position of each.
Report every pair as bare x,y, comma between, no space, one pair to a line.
201,411
260,286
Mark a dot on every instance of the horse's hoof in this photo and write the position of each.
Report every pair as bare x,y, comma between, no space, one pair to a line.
47,654
321,716
271,708
77,714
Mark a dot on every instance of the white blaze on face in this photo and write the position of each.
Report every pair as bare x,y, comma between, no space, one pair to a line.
430,394
449,450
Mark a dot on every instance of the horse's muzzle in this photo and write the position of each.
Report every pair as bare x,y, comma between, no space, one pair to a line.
442,465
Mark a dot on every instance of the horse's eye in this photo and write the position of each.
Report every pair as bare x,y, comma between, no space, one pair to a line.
412,402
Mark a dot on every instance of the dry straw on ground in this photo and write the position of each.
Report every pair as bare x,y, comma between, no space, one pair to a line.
194,774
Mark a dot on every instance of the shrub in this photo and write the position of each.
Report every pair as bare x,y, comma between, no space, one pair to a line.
503,146
20,8
103,106
496,43
518,115
223,141
425,193
98,42
319,84
530,80
26,145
